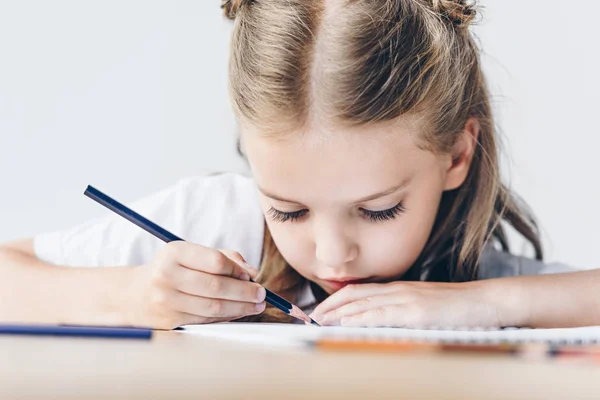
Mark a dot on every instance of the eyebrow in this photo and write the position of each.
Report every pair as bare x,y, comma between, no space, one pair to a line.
374,196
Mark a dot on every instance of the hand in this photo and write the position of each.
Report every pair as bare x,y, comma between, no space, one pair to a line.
191,284
409,304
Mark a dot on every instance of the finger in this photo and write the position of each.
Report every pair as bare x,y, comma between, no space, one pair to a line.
191,319
205,259
359,306
197,283
377,317
349,294
238,258
214,308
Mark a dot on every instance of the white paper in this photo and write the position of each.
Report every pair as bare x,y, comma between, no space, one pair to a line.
301,335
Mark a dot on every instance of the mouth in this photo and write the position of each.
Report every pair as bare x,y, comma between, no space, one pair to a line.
340,283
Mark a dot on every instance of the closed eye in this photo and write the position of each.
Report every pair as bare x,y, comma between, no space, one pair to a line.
280,216
384,215
374,216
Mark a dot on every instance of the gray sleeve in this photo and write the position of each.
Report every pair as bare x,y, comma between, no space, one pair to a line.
498,264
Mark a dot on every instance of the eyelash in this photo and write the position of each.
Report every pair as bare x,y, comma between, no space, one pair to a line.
280,216
373,216
384,215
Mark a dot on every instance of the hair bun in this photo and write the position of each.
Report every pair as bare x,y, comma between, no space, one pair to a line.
459,12
232,7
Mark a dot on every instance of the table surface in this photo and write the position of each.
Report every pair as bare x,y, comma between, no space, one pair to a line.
176,365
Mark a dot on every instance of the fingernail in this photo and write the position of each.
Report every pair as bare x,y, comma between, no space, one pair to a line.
261,293
315,316
260,307
245,277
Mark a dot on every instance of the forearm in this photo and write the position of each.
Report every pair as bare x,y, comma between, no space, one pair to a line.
547,301
35,292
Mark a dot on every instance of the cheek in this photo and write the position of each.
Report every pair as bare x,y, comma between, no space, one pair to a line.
293,242
390,249
294,245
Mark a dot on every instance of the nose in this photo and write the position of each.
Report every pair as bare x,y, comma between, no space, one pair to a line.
334,247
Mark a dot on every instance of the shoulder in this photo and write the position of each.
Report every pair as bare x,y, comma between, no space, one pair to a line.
495,263
217,210
222,211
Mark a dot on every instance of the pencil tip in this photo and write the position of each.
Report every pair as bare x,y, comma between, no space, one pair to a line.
297,313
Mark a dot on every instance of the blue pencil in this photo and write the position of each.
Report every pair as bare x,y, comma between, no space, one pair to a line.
166,236
78,331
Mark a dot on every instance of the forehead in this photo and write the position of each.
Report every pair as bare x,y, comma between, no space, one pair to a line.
336,164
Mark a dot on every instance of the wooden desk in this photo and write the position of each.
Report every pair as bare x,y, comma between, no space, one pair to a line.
174,365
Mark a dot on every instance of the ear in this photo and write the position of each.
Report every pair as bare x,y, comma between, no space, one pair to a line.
462,155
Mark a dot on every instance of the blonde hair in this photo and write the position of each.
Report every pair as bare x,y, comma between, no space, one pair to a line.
373,61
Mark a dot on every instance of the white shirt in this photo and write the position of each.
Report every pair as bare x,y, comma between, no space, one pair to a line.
220,211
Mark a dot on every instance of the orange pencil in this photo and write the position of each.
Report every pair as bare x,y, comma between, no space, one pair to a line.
411,346
526,350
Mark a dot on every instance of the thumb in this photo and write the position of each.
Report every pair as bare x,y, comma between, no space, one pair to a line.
237,258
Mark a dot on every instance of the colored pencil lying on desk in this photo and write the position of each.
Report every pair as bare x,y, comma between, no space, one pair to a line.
76,331
411,346
525,350
166,236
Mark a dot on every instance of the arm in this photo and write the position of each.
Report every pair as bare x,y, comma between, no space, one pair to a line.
67,276
539,301
547,301
185,283
34,291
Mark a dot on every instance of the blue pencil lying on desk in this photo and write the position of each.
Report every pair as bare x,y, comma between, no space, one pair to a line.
74,330
166,236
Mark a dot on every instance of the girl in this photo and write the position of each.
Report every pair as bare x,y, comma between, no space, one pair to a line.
375,194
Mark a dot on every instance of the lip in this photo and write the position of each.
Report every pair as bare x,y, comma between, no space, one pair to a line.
343,282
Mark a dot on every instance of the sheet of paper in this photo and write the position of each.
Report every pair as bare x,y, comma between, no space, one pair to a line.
286,335
300,335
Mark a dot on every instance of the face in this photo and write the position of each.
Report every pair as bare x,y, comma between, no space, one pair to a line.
348,205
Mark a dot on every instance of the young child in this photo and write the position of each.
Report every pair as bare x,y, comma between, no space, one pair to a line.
375,199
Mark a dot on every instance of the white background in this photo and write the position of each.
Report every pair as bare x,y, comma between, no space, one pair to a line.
130,96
